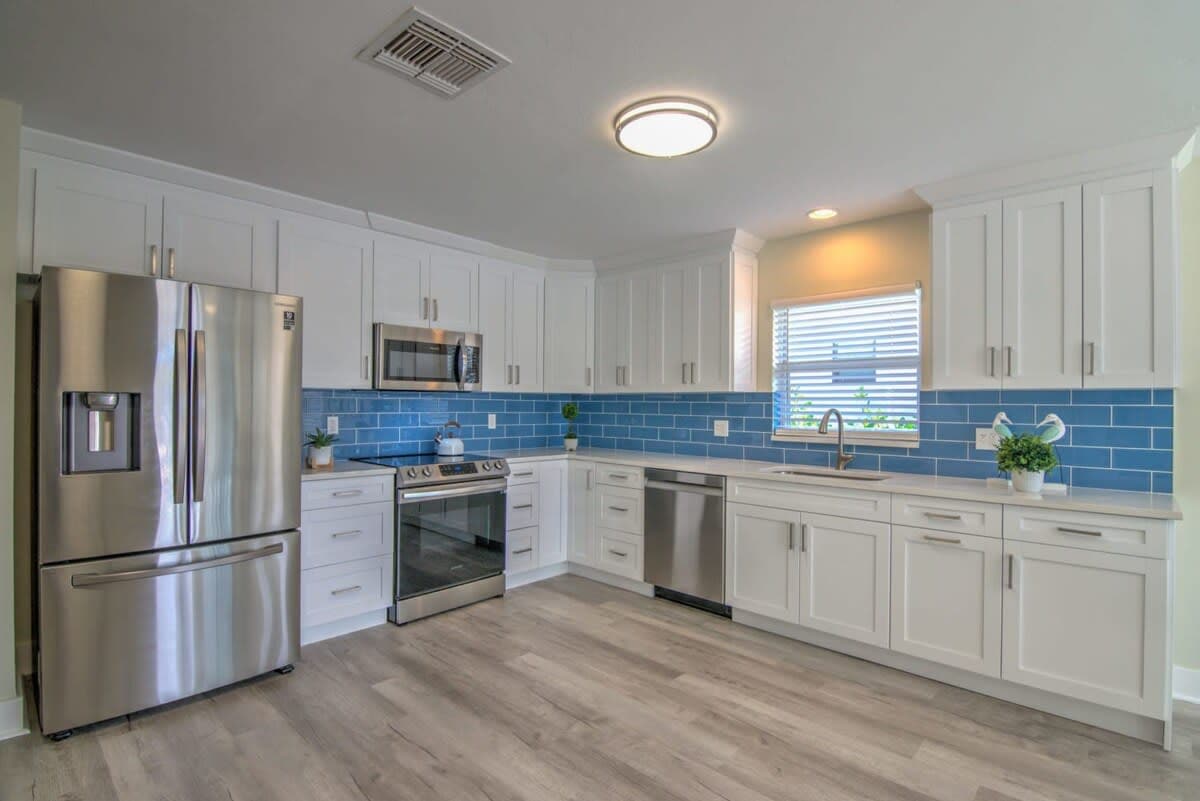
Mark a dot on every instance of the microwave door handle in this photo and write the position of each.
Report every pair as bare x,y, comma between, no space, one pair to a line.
460,363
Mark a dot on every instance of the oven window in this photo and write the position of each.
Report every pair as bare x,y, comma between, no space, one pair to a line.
449,541
419,361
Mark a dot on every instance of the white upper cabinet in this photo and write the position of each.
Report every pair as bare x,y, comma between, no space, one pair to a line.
494,314
689,326
622,320
452,287
967,296
1043,297
1129,282
218,240
569,333
510,321
329,265
399,269
525,326
91,217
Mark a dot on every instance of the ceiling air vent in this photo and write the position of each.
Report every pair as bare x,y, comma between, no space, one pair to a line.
430,52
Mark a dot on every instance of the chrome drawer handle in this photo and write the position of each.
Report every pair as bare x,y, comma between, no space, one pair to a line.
344,590
338,534
524,506
522,475
347,493
947,540
619,508
620,476
1064,530
941,516
523,550
621,554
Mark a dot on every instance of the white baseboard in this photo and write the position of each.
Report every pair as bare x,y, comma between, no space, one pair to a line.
1186,684
514,580
12,718
640,587
336,628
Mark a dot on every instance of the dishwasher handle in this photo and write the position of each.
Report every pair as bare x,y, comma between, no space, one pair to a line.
696,489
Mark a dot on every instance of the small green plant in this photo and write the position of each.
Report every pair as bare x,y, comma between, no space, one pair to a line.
569,412
318,438
1025,452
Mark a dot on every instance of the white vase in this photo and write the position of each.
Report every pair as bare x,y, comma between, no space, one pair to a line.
1028,481
570,443
319,457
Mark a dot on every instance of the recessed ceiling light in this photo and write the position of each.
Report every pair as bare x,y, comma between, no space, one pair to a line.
822,214
666,126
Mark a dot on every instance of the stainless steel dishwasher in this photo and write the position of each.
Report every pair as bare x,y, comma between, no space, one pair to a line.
685,538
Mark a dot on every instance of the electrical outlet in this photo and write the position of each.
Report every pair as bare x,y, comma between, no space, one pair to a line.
986,439
331,424
491,421
720,428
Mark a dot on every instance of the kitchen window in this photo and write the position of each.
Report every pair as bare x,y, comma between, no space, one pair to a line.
857,351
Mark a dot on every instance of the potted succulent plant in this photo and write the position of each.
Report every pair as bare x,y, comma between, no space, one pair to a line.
1026,457
320,448
569,412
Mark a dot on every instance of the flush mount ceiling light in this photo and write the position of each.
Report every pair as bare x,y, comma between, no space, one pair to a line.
663,127
822,214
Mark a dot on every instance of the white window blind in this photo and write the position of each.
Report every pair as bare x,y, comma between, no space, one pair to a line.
859,352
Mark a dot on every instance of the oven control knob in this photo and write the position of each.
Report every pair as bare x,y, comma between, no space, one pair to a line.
425,471
487,465
412,472
499,465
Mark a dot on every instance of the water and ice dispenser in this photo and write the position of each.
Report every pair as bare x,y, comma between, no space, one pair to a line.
100,431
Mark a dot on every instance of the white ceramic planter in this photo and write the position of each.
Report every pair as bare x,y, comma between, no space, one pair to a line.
1025,481
570,443
319,457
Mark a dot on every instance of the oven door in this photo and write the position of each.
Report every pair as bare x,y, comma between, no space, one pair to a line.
407,357
449,535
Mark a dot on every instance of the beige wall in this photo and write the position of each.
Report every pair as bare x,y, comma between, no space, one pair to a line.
10,142
888,250
1187,429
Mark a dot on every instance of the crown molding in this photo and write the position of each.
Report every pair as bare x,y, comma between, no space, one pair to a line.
1173,150
724,240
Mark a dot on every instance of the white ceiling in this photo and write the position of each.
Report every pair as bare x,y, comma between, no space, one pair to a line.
849,104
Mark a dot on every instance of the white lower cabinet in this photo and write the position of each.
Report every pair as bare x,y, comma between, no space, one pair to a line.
762,566
1087,624
620,553
581,480
536,522
946,597
606,519
844,577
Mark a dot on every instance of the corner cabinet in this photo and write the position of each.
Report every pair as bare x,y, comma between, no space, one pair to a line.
1068,286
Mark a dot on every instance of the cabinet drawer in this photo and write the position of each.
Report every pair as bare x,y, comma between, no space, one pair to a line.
618,475
962,517
522,473
329,492
1134,536
858,504
523,502
337,535
619,508
343,590
620,554
521,550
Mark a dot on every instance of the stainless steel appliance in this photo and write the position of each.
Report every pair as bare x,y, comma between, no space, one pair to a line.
685,537
167,491
450,546
407,357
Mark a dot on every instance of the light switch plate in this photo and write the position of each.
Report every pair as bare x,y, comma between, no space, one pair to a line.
331,424
720,428
986,439
491,421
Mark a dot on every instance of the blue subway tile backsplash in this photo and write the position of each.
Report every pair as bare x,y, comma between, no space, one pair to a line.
1116,439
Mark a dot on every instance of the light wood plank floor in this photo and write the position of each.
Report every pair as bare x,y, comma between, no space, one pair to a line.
569,689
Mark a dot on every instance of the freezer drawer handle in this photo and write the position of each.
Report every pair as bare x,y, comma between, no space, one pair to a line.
94,579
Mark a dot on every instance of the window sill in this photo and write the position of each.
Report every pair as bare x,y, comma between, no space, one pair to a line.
891,440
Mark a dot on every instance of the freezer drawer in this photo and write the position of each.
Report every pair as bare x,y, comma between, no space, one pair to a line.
119,635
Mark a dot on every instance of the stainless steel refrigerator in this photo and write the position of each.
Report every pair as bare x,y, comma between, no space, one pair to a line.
167,491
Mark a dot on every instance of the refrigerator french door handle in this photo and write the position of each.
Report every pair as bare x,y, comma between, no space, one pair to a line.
199,403
181,404
94,579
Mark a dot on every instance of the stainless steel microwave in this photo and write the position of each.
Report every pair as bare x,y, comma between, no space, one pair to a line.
407,357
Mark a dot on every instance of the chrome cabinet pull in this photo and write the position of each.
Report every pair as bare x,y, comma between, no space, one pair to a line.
366,366
181,401
523,506
518,373
435,310
508,378
344,590
154,259
1065,530
1008,352
523,550
170,262
522,475
941,516
791,536
587,376
200,416
621,554
339,534
992,361
619,476
804,538
424,308
683,379
1091,347
589,480
947,540
619,508
693,372
347,493
1010,571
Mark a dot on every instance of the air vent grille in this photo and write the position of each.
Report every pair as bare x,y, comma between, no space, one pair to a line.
433,54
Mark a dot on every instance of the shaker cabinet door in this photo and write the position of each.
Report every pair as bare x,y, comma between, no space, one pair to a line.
762,561
217,240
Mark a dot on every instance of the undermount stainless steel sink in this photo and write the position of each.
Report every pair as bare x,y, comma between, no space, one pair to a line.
828,472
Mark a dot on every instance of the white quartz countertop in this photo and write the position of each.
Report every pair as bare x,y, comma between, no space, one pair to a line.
1076,499
343,468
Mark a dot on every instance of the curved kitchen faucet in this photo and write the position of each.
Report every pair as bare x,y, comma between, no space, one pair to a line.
843,458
